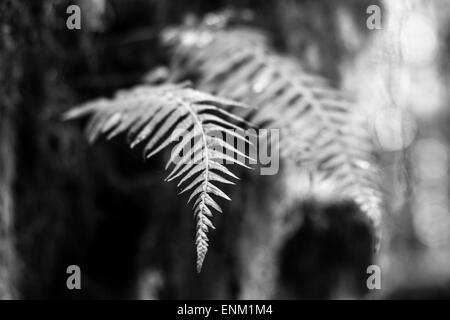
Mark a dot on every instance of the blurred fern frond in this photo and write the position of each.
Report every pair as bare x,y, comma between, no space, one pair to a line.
318,124
158,116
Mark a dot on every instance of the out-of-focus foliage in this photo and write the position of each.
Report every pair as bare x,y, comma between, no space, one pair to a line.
318,125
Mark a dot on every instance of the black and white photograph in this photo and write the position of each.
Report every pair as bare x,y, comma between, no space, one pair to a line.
224,154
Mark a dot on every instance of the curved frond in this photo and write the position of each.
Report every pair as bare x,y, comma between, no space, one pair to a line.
156,117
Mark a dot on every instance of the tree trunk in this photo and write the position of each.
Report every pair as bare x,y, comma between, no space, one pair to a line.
6,205
9,74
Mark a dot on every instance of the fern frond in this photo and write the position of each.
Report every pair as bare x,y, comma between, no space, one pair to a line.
157,117
317,123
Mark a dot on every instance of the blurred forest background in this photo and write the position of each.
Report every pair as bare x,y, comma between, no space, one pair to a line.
104,209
